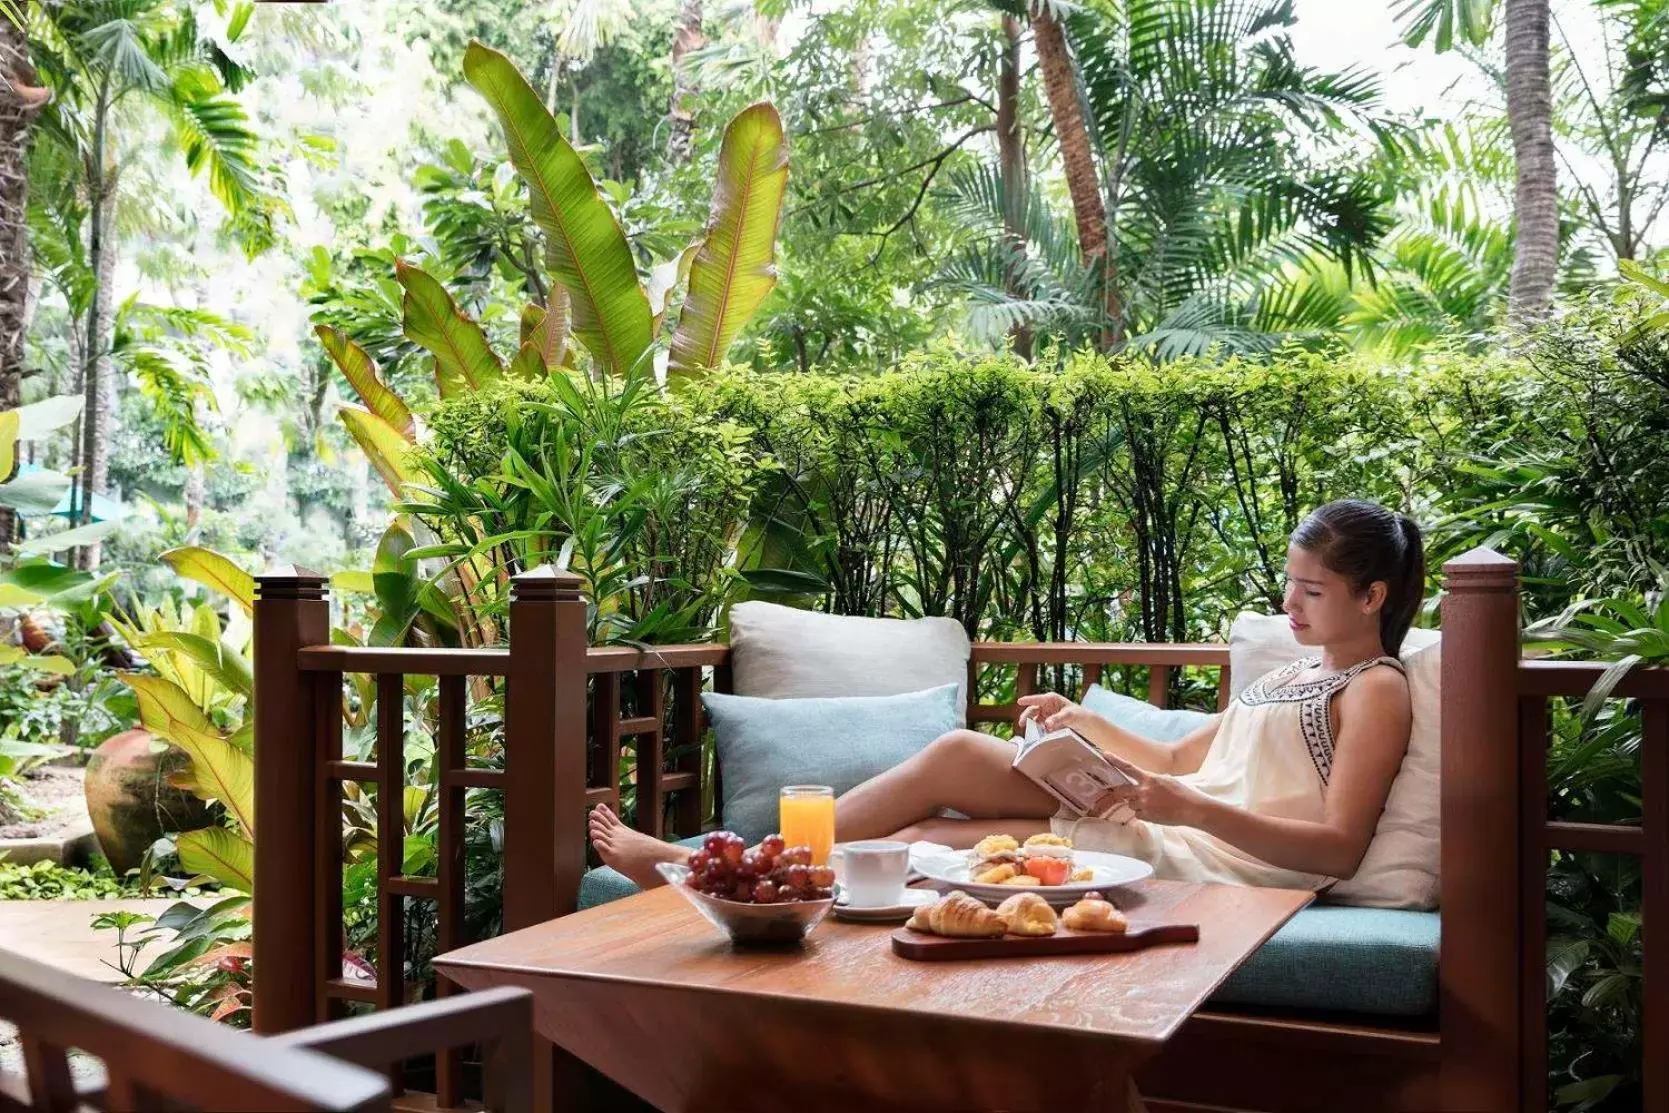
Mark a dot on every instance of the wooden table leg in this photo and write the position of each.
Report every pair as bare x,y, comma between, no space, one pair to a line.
559,1080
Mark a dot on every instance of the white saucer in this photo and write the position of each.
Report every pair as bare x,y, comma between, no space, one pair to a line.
884,914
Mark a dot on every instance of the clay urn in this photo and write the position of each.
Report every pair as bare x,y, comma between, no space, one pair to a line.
130,800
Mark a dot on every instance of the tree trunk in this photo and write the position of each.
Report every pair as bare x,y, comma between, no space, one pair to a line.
1536,201
1011,168
195,482
686,37
95,421
1060,84
20,99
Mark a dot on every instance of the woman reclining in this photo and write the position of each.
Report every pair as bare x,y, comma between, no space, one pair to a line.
1282,789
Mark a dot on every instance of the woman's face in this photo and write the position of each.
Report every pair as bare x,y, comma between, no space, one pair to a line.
1321,606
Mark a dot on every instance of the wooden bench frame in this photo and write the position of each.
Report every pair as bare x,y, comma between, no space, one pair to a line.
152,1056
1485,1049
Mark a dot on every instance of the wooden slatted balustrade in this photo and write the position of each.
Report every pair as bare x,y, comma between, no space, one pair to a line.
1538,682
559,757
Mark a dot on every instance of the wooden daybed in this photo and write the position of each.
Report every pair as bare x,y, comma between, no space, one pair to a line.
1482,1048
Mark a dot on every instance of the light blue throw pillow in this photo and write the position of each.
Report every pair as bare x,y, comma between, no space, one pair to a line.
764,744
1140,717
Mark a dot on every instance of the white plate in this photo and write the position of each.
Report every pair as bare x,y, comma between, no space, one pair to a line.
884,914
950,871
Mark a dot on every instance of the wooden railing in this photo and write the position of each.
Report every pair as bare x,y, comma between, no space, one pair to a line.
565,727
1496,844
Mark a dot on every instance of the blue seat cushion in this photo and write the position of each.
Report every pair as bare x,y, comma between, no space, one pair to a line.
1335,958
602,885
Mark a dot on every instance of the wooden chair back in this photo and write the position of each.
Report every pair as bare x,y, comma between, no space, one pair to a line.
150,1056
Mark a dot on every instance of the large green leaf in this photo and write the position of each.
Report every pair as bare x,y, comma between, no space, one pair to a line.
69,538
36,493
37,419
8,442
220,854
218,769
546,326
463,358
225,664
736,266
216,572
585,249
356,365
383,446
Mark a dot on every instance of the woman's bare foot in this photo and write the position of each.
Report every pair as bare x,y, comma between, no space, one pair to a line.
633,853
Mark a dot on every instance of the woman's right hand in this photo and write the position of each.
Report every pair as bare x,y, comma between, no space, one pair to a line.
1052,711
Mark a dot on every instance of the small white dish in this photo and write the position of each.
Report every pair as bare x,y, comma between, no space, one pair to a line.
883,914
950,871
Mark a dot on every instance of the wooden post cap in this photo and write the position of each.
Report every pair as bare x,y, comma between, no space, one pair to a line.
1480,569
291,581
546,583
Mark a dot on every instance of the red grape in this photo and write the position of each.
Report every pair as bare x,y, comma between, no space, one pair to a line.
772,845
698,859
764,892
795,856
741,890
822,877
799,877
734,848
713,844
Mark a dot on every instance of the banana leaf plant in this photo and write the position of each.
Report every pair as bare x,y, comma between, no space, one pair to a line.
596,300
198,693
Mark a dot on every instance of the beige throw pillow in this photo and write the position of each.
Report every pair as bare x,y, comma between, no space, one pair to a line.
1400,869
781,652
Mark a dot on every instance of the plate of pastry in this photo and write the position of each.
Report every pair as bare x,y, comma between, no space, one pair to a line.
957,926
1001,865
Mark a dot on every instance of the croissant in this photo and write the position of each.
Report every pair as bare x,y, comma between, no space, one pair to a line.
1094,913
1028,914
958,916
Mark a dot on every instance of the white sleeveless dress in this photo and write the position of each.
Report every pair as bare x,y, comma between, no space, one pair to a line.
1273,755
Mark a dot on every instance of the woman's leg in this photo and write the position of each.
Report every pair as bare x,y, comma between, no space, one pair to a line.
962,834
633,853
964,770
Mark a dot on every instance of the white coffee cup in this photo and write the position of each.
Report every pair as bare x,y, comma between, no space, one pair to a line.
872,872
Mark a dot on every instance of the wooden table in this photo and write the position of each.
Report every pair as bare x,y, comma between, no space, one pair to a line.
650,994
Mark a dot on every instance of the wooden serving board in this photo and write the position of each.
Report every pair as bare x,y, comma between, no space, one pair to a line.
909,943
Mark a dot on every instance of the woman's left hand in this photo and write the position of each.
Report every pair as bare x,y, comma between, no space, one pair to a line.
1158,797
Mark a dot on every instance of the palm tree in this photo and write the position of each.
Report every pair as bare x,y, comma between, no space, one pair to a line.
21,98
582,27
1536,200
1060,85
108,61
1530,111
1202,167
686,37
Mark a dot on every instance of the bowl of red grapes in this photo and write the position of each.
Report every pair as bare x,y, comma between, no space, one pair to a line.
770,893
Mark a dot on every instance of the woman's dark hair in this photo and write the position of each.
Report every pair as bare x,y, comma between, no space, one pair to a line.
1364,542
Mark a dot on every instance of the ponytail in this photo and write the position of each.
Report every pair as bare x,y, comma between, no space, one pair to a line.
1366,544
1403,598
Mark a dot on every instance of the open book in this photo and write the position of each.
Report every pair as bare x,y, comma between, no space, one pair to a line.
1071,769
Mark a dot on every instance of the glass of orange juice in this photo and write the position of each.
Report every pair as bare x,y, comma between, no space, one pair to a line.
806,814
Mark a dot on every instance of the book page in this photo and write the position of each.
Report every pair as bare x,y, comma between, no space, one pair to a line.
1071,769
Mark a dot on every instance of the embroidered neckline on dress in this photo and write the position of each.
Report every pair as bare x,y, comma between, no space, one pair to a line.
1315,716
